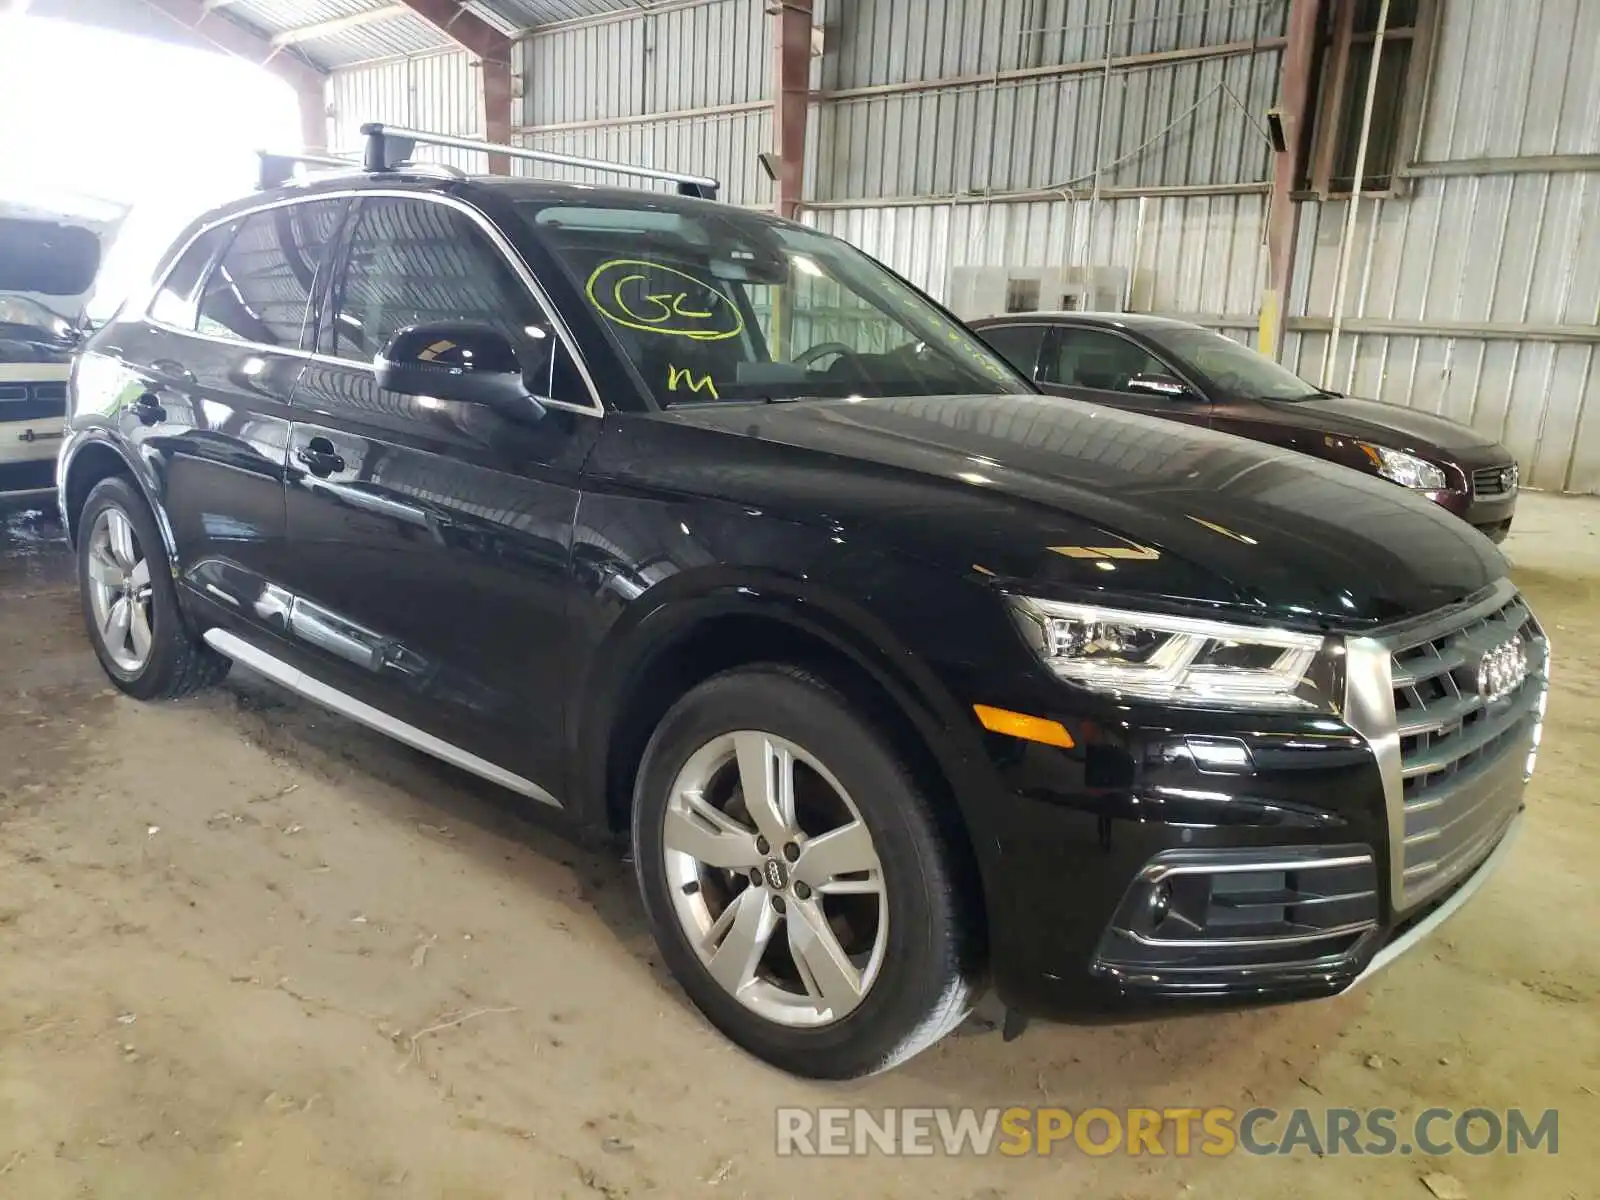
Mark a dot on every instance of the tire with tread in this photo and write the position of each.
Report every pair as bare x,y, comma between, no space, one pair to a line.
180,663
928,982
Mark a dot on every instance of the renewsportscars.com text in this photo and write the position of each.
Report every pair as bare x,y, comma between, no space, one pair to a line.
1214,1131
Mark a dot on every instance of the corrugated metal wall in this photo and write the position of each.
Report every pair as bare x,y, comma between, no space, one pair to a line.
607,91
441,92
1518,251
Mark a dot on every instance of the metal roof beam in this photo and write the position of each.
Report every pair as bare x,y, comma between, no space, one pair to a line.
305,33
464,28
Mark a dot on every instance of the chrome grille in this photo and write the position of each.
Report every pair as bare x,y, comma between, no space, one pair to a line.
1463,755
1494,481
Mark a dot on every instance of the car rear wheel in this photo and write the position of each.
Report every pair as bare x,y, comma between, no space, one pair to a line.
130,607
795,878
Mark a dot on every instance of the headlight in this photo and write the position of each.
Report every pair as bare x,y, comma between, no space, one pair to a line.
1177,660
1405,469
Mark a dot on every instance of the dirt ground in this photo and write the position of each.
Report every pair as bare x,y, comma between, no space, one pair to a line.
248,949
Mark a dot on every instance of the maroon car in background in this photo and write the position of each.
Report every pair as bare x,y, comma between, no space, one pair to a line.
1183,372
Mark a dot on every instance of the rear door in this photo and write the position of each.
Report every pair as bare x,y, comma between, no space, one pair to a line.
214,366
1098,365
429,539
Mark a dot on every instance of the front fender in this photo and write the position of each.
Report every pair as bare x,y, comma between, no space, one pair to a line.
94,452
657,622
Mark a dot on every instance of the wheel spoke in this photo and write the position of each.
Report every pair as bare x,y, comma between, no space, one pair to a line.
708,835
829,974
847,850
139,628
103,569
139,577
766,775
118,619
119,533
734,962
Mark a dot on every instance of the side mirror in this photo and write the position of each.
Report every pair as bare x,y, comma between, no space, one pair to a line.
1168,386
462,361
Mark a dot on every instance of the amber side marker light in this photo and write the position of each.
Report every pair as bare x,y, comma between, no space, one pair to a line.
1020,725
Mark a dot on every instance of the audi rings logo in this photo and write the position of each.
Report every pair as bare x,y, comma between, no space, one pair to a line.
1502,670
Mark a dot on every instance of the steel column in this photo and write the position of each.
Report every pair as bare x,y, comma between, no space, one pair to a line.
792,96
1294,93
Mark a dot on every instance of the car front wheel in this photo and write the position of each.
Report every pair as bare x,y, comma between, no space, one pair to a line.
795,878
130,607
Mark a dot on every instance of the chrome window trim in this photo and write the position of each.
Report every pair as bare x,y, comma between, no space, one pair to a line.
496,237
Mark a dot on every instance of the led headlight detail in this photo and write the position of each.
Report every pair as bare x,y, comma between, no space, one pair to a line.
1405,469
1179,660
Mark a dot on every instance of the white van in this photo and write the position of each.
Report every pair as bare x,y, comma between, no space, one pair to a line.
47,267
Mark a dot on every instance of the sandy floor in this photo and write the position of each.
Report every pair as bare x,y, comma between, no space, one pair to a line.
248,949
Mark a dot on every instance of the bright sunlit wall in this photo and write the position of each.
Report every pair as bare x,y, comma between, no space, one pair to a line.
87,114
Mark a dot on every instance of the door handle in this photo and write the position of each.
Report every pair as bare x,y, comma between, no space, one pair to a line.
147,408
319,457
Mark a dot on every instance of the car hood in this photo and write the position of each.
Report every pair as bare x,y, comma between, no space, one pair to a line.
1074,500
1391,425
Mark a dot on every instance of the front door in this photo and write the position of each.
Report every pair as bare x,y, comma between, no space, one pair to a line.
1102,365
429,539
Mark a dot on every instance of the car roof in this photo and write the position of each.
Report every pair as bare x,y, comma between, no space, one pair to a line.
1112,320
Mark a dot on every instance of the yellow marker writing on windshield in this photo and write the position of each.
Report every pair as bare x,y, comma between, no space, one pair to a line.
677,375
664,312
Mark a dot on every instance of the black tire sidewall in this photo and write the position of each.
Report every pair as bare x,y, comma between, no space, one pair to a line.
169,636
921,960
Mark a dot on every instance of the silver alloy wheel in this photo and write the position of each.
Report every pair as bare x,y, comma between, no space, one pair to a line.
758,835
119,590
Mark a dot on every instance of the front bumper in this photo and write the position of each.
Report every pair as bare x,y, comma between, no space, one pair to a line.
1489,512
1344,843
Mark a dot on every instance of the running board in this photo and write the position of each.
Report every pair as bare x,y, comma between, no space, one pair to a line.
296,680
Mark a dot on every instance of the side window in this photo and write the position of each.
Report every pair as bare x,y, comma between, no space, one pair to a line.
261,289
1017,344
1091,358
174,303
414,261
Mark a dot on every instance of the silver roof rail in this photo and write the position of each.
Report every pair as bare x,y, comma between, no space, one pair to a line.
279,169
389,146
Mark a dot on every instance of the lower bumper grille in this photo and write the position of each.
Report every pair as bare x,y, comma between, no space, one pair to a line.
1469,700
1243,910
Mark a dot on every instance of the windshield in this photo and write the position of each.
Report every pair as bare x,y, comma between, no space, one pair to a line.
1234,368
732,306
